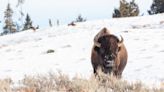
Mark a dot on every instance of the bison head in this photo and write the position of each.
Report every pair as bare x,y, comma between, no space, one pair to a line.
108,47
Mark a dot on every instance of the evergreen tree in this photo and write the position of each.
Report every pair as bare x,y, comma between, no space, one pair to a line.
156,7
50,23
116,13
134,9
9,27
20,4
126,9
28,23
80,19
57,22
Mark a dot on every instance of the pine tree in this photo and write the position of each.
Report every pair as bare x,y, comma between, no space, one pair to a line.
50,23
57,22
126,9
80,19
116,13
134,9
20,4
9,27
156,7
28,23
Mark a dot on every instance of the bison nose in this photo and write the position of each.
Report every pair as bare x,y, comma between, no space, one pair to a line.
109,63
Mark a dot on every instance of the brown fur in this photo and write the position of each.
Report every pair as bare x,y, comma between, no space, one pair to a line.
103,32
121,60
111,42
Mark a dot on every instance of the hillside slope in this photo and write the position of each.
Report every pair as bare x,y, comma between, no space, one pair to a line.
25,53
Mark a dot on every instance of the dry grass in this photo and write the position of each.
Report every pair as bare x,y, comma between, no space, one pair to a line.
62,83
5,85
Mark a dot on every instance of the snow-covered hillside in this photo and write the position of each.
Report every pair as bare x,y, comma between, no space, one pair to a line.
25,53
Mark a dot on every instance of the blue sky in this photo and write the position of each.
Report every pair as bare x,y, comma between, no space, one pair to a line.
67,10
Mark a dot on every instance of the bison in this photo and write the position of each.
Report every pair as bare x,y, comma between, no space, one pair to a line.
108,53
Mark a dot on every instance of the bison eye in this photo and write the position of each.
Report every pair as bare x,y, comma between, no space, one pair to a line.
97,49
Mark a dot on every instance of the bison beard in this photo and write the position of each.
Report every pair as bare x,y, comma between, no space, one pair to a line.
109,54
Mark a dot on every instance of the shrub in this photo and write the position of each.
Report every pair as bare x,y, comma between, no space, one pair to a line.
156,7
62,83
126,9
50,51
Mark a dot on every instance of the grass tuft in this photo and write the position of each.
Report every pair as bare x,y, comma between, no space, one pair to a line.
62,83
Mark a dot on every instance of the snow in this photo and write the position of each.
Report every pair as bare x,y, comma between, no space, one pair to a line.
24,53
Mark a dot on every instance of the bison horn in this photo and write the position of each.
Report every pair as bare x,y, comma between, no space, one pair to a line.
121,41
97,44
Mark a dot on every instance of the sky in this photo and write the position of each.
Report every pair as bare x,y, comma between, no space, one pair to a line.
66,11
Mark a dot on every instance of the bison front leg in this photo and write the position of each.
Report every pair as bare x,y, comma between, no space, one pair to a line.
94,71
117,74
97,71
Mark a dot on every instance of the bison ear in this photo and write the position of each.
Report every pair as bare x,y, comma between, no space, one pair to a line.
119,48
